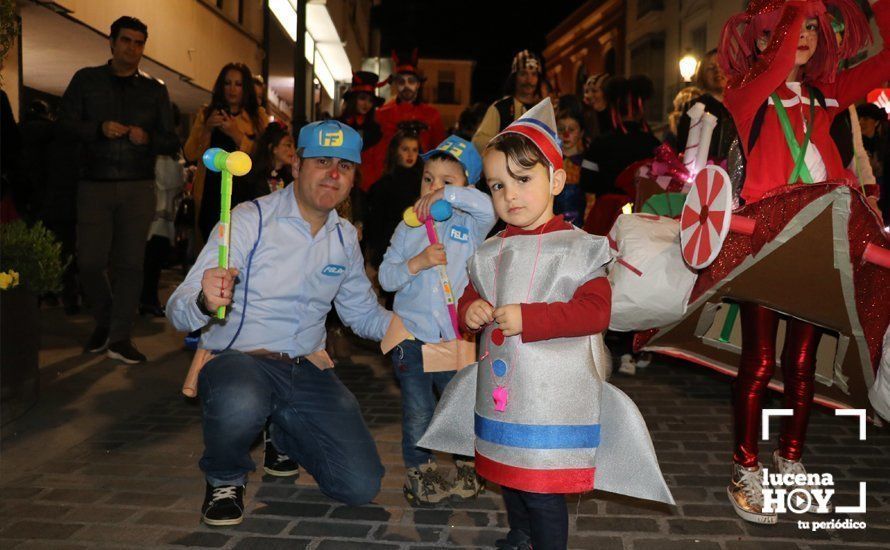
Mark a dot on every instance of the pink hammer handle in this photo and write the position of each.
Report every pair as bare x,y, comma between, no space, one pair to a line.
431,230
452,309
877,255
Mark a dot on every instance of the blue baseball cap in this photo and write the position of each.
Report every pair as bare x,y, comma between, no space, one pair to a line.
463,152
330,138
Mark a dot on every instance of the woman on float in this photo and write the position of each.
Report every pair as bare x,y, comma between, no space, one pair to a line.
784,90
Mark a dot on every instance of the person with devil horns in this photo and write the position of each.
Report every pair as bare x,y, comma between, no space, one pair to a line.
408,105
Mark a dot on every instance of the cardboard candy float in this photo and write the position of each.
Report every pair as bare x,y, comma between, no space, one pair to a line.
815,252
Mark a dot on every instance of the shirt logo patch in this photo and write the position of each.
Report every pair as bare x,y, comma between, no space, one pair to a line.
459,234
333,270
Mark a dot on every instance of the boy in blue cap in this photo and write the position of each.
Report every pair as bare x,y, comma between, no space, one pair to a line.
293,257
409,269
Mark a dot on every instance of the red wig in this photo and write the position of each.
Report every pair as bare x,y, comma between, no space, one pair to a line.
738,53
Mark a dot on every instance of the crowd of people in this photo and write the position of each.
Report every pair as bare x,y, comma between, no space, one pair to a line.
329,219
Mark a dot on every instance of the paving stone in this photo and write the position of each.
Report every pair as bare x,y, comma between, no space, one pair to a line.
119,534
269,543
436,517
703,527
347,545
262,526
597,524
43,545
99,514
462,537
73,495
408,533
292,510
143,499
760,545
23,493
205,539
597,542
170,519
331,529
40,530
361,513
36,510
682,544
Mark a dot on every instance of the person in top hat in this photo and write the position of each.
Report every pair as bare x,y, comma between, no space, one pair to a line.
524,87
292,256
360,113
408,104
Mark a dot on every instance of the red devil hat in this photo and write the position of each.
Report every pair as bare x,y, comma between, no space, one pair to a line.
406,64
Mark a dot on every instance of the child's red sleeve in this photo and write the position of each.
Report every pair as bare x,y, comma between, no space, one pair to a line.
466,299
586,313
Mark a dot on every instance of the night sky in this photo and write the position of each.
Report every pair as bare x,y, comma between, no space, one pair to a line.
489,32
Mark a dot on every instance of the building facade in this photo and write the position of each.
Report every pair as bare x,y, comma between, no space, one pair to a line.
190,41
590,41
635,37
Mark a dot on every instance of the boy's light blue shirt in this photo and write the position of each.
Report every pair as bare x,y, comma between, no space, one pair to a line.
419,298
294,278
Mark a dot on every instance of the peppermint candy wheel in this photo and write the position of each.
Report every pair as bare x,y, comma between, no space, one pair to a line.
707,213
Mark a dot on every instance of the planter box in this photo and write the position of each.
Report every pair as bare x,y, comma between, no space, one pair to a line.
19,344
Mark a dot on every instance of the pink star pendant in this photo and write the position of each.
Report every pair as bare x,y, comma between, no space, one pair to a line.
500,397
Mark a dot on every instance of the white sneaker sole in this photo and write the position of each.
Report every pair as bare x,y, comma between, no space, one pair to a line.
222,522
119,357
281,473
762,519
101,348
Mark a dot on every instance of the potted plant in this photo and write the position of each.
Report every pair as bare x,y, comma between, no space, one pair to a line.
30,265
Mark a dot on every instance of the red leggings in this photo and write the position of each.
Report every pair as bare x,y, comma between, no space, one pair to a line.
759,326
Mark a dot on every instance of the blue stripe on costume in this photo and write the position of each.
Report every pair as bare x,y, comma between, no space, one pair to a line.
531,436
540,125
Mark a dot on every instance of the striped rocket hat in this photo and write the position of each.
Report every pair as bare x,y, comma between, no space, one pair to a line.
538,124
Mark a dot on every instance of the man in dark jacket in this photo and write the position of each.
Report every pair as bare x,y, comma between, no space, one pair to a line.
123,119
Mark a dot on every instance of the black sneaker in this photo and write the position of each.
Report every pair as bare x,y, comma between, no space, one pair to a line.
276,463
516,540
123,350
98,342
223,505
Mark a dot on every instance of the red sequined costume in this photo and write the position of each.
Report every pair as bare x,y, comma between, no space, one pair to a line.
753,79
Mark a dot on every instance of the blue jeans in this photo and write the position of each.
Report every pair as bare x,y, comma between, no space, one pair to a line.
418,398
315,420
544,518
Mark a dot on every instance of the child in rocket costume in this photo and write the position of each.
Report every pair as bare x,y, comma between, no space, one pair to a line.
535,409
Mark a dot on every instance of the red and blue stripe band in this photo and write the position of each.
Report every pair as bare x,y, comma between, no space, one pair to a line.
537,436
566,480
541,139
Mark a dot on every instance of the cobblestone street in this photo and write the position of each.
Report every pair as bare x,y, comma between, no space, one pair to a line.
108,459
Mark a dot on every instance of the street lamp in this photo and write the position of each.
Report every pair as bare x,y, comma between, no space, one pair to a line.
688,65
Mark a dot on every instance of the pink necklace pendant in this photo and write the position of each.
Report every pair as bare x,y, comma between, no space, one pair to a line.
500,396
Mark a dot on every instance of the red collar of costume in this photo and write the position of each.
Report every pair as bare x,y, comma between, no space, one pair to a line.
557,223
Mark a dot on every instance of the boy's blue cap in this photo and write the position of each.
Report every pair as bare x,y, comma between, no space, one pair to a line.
330,138
463,152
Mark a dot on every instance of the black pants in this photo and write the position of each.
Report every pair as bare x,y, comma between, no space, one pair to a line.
157,250
543,517
112,221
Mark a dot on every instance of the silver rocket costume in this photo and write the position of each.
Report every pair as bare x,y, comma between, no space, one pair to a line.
562,425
